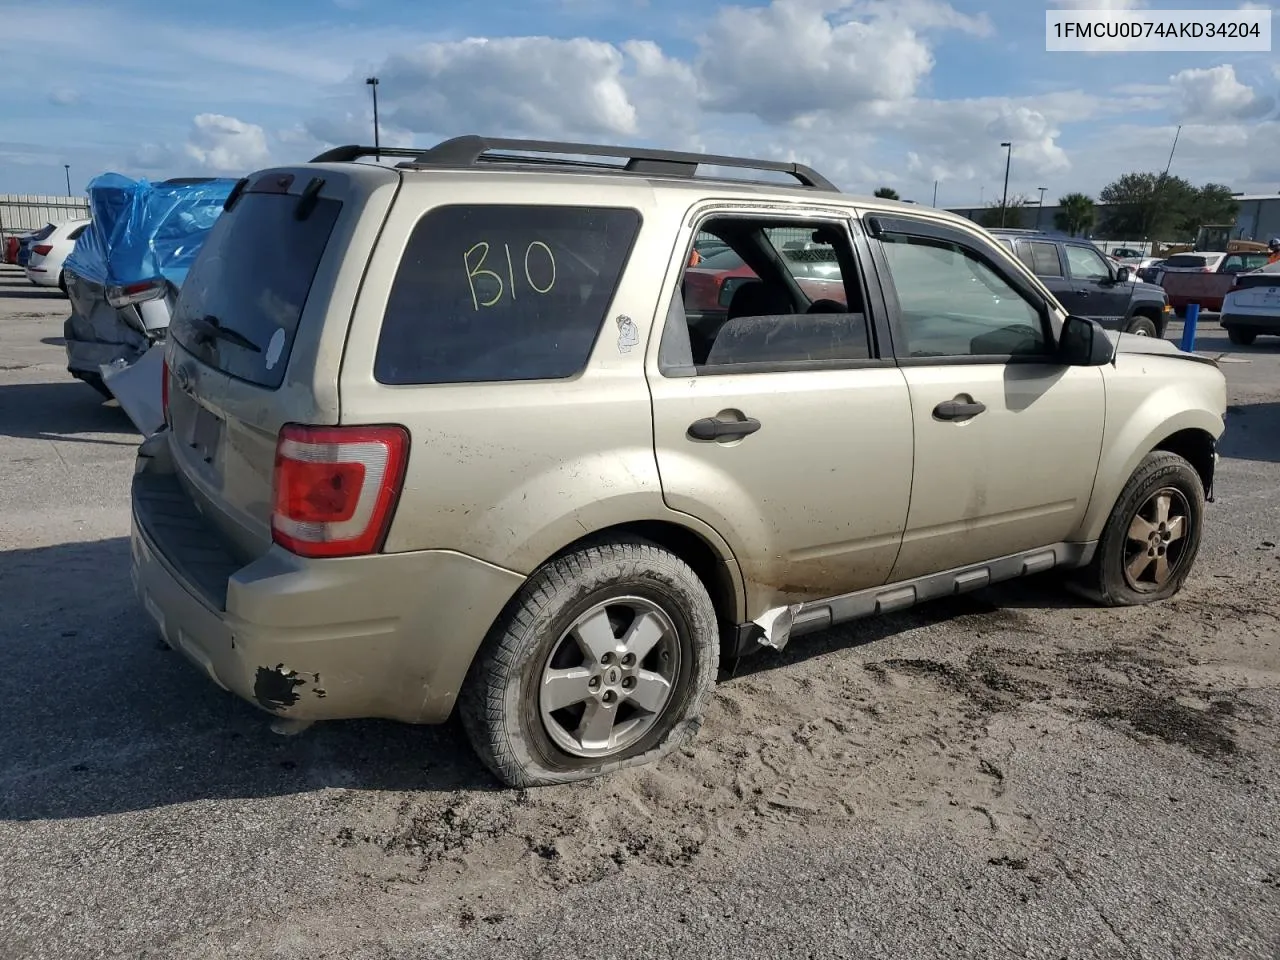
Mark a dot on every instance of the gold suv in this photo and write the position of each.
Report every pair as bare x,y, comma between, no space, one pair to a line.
547,431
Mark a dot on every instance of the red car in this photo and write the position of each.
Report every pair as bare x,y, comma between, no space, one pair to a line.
10,250
709,287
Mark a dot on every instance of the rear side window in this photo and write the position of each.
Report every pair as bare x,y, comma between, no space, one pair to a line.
75,234
1042,258
502,292
241,302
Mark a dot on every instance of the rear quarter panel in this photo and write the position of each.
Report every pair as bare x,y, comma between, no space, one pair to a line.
1149,399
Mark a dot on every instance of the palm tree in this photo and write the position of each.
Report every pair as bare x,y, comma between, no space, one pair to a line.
887,193
1076,213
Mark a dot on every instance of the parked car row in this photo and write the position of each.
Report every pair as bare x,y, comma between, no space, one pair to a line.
43,253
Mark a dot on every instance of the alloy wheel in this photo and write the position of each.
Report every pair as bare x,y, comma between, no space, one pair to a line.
1157,540
609,677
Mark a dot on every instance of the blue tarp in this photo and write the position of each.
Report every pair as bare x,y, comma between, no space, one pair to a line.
142,231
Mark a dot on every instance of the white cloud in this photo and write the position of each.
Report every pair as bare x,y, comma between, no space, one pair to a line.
538,85
1216,95
64,96
795,58
1111,5
227,145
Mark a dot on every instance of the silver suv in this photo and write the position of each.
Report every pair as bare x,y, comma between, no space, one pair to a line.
477,430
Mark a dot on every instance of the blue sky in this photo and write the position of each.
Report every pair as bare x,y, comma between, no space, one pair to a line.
871,92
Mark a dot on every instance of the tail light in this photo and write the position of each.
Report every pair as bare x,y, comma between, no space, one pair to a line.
122,296
42,249
336,488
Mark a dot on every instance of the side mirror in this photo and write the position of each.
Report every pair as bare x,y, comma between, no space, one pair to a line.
1084,343
1123,274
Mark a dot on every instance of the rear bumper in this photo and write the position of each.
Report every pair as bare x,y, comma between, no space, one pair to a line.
389,636
1208,304
1261,322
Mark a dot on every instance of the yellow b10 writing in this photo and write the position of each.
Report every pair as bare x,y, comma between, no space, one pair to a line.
538,259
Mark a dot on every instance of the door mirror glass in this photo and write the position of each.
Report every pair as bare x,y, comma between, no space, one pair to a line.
1084,343
1123,274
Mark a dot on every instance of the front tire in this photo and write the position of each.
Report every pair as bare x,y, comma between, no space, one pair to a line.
1243,338
1151,539
605,659
1141,326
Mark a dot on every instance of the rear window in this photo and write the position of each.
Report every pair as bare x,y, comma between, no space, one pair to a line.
1186,260
75,234
240,304
502,292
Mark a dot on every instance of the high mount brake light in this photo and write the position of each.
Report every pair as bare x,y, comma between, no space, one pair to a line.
336,488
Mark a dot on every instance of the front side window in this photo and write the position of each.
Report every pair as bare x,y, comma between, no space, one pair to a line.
952,303
502,292
1086,264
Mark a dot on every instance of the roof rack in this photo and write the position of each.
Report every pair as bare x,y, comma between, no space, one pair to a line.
469,151
352,152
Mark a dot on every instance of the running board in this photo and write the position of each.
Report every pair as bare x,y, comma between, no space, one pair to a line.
775,627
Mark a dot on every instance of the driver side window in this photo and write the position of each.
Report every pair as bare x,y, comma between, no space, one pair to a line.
952,304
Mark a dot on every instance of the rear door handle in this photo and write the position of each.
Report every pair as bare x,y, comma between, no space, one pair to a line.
712,428
958,410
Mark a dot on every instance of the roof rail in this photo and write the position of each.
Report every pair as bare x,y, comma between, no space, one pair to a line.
352,152
469,151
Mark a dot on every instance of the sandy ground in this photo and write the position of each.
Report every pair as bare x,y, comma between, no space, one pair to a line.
1012,774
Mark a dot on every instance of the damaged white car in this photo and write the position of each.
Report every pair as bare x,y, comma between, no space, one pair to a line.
123,279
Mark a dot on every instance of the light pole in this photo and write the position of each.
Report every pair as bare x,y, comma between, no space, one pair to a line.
377,144
1040,209
67,167
1004,204
935,193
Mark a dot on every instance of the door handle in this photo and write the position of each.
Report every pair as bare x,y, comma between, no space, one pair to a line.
712,428
1083,293
958,410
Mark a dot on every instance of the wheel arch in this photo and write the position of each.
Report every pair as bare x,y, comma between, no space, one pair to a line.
719,573
1192,434
1198,447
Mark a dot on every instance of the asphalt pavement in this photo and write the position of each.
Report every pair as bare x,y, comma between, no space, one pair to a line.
1009,774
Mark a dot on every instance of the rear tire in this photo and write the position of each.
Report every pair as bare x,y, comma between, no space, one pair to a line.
538,692
62,282
1141,326
1151,539
1243,338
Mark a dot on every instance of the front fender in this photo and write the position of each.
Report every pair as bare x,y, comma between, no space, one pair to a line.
1138,421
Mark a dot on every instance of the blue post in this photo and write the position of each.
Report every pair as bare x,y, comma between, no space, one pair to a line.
1189,328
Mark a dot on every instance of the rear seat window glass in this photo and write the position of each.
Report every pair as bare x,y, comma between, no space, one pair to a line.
241,302
502,292
1041,257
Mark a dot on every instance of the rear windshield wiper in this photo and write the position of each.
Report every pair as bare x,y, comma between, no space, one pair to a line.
209,328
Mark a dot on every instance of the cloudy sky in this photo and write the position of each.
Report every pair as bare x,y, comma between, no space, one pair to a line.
871,92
